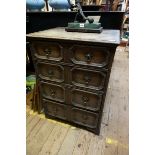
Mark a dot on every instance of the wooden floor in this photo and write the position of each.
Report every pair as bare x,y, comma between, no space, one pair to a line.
48,137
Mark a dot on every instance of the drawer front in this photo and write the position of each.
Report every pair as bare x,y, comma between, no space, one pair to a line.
90,55
85,99
50,72
47,50
84,118
88,78
52,91
55,109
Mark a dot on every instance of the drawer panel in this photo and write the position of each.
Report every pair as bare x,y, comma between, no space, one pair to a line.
88,78
55,109
52,91
48,50
85,118
50,72
90,55
85,99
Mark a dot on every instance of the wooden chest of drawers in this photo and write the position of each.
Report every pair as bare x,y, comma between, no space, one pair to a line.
73,70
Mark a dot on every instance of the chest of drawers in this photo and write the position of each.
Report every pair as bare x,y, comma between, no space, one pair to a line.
73,70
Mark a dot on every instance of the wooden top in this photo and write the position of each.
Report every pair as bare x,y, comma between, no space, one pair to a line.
106,36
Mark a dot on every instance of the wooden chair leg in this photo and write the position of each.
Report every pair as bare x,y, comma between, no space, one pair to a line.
36,103
33,99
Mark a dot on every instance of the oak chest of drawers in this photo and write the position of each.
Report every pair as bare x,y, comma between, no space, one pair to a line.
73,70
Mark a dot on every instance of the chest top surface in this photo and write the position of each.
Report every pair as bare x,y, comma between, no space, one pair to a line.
106,36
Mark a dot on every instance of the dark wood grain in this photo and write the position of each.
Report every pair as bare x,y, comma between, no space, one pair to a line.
73,71
107,36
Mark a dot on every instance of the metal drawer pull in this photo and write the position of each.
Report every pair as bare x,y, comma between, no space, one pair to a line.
47,52
55,110
84,117
50,73
53,93
88,57
87,79
85,99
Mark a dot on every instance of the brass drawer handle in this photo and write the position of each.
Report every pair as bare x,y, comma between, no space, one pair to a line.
53,93
87,79
47,52
50,73
85,100
88,57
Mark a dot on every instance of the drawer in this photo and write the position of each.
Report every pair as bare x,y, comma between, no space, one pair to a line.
55,109
48,50
85,118
50,72
85,99
90,55
88,78
52,91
